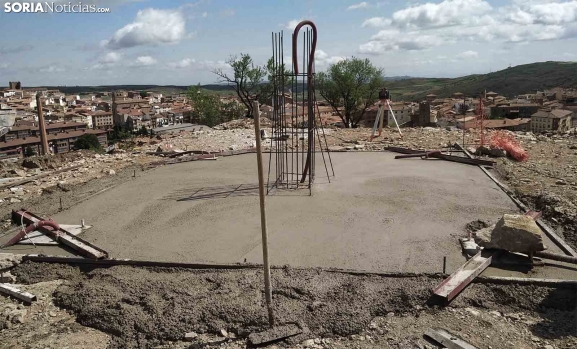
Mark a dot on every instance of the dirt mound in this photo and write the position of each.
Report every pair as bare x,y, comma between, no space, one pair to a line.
144,307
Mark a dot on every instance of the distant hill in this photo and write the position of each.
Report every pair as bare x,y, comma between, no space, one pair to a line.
164,89
509,82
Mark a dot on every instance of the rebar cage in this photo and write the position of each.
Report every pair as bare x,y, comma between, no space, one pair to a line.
297,128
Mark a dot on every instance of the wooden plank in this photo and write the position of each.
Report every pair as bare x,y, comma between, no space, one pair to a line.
447,339
462,277
453,158
17,293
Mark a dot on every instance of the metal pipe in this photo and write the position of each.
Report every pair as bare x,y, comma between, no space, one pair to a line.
30,229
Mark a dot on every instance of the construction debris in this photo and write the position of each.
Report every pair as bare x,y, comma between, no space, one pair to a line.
513,233
434,154
62,236
274,334
447,339
17,293
447,290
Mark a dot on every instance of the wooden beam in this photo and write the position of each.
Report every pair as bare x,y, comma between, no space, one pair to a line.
17,293
447,339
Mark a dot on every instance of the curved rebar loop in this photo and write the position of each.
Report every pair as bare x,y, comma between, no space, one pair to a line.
310,70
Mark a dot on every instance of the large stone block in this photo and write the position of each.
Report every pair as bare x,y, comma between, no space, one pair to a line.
514,233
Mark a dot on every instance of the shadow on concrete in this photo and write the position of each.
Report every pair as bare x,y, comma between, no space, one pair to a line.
218,192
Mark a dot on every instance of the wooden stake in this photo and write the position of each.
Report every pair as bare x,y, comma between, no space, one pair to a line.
445,265
261,194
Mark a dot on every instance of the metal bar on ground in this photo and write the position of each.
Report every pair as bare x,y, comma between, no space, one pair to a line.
418,155
62,236
448,340
447,157
274,334
17,293
462,277
261,193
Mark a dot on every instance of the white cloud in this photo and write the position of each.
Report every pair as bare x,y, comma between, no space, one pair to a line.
192,63
323,59
422,26
468,54
3,66
150,27
51,69
394,40
292,24
444,14
377,22
110,57
360,5
184,63
204,14
143,61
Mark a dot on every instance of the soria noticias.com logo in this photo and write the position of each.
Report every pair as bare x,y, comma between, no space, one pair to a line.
52,7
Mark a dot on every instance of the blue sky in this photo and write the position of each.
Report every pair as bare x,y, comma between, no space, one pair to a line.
180,42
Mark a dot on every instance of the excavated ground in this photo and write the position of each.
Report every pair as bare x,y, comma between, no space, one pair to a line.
146,307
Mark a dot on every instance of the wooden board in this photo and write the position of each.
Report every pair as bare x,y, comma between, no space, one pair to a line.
10,290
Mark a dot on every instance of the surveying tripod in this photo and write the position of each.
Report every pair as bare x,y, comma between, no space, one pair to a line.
379,120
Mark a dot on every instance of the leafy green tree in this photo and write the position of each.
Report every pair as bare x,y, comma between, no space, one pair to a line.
206,106
143,94
246,80
87,141
350,87
232,110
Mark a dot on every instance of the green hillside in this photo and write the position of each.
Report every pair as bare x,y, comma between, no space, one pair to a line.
509,82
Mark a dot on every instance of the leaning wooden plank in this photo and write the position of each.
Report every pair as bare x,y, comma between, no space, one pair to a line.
274,334
17,293
447,339
462,277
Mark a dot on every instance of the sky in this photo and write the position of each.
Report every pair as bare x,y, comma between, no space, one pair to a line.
174,42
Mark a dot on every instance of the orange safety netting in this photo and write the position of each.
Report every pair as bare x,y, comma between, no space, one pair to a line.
506,141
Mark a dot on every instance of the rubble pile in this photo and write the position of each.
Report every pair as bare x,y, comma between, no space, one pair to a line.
244,123
86,166
209,140
547,181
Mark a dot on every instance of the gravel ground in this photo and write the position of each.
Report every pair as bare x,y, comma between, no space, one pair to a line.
149,307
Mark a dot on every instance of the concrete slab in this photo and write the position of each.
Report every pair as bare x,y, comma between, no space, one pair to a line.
378,214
